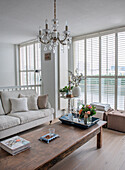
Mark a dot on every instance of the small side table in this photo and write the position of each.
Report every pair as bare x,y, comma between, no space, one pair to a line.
69,101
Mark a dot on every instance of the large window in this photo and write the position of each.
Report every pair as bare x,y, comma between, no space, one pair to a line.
92,52
101,59
30,64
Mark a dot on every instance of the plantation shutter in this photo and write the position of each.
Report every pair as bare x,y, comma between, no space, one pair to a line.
121,71
79,56
92,56
108,55
108,91
121,54
92,90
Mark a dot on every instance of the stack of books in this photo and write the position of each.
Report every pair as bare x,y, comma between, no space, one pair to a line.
15,145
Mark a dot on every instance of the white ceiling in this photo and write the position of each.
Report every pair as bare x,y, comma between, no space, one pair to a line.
20,19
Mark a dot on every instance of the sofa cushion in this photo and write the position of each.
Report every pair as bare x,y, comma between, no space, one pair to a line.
19,105
42,101
6,95
29,116
31,100
8,122
1,109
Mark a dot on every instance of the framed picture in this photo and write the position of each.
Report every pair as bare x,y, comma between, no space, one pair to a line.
47,56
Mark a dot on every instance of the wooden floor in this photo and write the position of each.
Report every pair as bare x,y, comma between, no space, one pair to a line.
110,157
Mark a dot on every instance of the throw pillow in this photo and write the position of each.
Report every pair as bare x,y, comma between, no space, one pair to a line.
31,100
1,109
19,105
42,101
48,106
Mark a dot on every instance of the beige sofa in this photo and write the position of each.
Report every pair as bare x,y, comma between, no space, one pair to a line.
13,123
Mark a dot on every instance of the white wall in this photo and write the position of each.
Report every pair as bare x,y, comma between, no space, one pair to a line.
7,65
63,74
50,78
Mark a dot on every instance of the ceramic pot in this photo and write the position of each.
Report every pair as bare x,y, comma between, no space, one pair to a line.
76,91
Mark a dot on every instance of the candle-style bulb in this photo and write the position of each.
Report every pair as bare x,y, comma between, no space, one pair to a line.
46,24
46,21
66,23
40,28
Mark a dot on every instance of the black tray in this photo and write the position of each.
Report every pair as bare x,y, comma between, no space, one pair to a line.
68,120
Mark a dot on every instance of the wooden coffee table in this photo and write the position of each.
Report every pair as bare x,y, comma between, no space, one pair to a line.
43,155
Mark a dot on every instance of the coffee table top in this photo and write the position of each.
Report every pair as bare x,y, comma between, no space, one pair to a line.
41,152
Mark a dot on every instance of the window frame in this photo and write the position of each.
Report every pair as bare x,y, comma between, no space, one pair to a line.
32,70
116,76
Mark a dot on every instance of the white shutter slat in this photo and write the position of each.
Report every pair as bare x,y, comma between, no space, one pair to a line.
121,94
79,56
92,56
108,55
92,90
108,91
121,54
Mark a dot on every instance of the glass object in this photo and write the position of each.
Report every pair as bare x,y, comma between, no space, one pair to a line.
90,119
85,120
51,131
45,48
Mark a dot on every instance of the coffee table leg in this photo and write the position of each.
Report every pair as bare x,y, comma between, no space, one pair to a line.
99,139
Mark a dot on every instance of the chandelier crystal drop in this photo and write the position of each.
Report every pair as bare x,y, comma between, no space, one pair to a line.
53,38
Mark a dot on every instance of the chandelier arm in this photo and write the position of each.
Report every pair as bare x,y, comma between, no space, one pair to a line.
44,42
61,41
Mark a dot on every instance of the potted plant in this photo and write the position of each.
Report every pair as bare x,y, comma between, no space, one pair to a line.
65,90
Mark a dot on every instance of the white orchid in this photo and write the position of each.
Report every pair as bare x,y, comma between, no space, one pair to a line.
76,79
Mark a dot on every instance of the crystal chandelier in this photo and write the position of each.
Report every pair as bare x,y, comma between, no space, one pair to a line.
52,38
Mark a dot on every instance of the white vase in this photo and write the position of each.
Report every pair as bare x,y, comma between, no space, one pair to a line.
76,91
